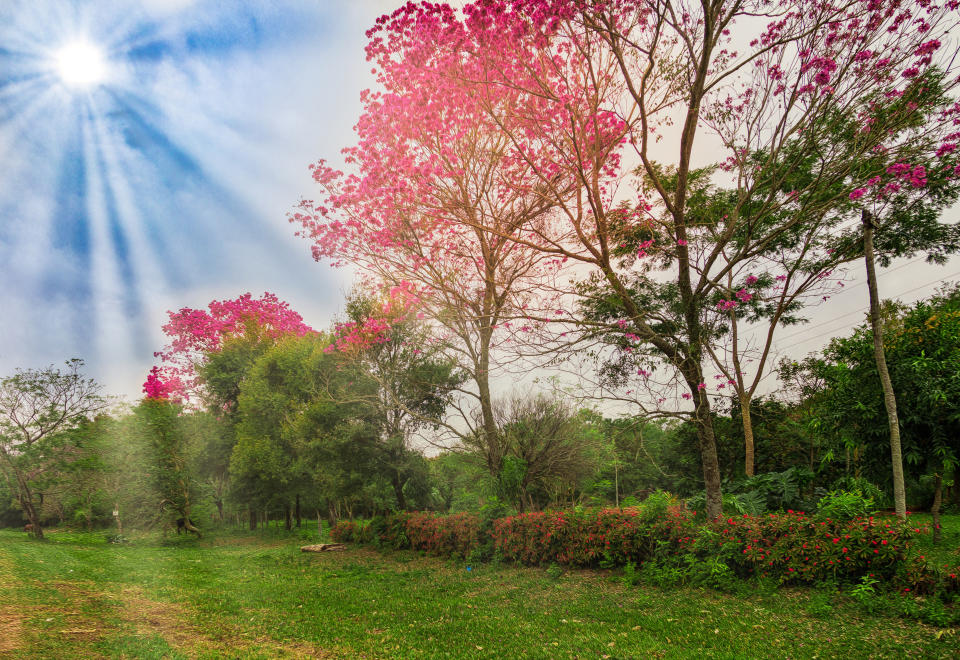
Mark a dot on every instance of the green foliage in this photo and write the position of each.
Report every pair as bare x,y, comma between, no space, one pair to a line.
158,420
865,591
656,505
922,346
845,505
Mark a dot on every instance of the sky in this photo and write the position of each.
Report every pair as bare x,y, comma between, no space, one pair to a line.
151,150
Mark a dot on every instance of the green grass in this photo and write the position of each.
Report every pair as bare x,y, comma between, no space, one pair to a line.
237,595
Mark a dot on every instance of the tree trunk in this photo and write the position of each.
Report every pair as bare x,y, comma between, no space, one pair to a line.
889,398
287,517
616,483
25,498
935,509
708,456
219,503
297,511
251,517
748,462
398,490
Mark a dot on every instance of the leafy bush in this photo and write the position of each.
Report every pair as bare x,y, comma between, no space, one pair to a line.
656,505
845,504
456,535
866,488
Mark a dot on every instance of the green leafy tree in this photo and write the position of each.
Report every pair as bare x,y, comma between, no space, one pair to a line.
415,385
922,349
37,407
158,419
304,423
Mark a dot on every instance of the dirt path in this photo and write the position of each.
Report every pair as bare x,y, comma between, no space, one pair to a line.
175,626
11,620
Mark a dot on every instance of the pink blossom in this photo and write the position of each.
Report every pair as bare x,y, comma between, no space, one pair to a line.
858,193
154,387
946,148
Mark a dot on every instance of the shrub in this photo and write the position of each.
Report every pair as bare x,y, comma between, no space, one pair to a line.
456,535
842,504
667,544
346,531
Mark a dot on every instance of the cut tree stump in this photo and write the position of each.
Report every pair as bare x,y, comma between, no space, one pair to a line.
323,547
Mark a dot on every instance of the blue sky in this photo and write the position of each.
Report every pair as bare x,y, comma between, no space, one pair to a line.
167,182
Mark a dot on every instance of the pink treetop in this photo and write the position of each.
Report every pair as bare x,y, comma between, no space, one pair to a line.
157,388
194,333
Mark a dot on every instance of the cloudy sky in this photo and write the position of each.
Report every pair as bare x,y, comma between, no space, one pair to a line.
151,150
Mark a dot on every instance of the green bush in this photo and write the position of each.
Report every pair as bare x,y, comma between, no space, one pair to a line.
842,504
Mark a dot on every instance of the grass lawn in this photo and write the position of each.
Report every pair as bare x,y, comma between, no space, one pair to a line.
248,596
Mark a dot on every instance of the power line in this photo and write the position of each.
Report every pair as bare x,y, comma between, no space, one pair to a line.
864,310
857,311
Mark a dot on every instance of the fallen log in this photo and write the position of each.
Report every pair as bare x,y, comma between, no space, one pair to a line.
323,547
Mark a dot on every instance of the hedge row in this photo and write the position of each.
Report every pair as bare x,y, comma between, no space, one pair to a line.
789,547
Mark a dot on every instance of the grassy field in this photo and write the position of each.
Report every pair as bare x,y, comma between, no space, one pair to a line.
247,596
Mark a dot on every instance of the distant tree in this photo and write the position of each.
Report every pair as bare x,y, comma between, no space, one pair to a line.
158,420
36,408
306,424
415,384
197,334
544,448
922,349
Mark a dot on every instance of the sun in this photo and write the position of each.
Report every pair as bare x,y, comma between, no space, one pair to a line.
80,64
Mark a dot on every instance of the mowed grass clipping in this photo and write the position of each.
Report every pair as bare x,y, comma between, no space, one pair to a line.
75,596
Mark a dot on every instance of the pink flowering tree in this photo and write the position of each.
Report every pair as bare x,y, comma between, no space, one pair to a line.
436,201
196,334
575,87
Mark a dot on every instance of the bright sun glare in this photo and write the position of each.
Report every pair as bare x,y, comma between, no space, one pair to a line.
80,64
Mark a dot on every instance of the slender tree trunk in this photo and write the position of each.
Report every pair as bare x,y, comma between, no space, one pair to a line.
219,503
251,517
494,454
616,484
297,511
889,398
287,517
708,455
25,497
935,509
708,444
398,490
743,394
187,523
749,460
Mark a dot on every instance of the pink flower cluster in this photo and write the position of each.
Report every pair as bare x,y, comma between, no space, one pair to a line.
157,388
